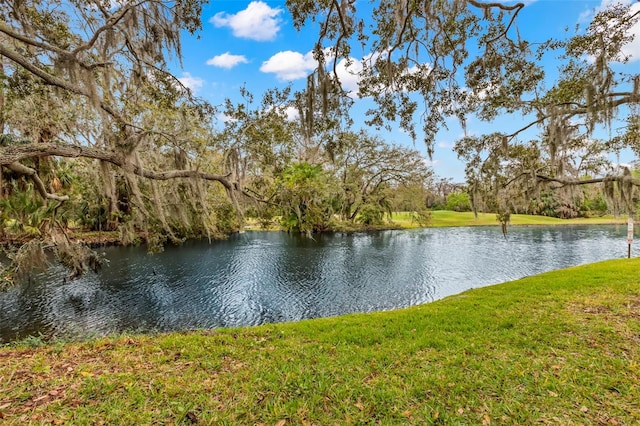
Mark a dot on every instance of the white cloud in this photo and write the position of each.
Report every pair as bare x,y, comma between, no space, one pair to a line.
444,144
257,22
193,83
227,60
585,16
225,118
292,113
348,72
289,65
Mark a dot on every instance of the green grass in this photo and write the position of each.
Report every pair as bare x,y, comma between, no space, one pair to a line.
558,348
442,218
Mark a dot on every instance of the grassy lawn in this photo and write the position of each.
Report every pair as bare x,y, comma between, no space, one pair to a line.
558,348
441,218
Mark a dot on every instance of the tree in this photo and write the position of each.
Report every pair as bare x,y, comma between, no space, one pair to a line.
589,93
368,168
419,52
98,72
417,47
458,201
303,191
258,141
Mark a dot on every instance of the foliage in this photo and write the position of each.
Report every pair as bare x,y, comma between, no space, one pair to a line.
115,142
368,170
371,215
419,48
418,53
95,79
458,201
303,191
595,205
558,347
410,197
589,94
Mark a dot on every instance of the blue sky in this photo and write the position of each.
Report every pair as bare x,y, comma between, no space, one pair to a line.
254,44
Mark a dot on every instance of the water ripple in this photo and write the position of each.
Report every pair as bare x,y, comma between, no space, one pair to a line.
265,277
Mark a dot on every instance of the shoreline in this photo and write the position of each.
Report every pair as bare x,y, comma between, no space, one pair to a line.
399,221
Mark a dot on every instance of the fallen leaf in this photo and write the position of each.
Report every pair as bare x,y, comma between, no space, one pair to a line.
281,422
486,420
460,410
407,413
86,374
436,415
359,404
3,406
553,394
613,422
584,409
192,417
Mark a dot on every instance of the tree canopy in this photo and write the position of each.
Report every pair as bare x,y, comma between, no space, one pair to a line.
437,59
95,130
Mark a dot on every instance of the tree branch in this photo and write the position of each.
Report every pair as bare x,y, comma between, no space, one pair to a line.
109,24
33,174
577,182
14,153
53,80
502,6
31,41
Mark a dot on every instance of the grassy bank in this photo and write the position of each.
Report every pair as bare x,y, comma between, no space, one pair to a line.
558,348
442,218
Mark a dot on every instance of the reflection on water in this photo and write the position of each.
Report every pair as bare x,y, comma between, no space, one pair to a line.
260,277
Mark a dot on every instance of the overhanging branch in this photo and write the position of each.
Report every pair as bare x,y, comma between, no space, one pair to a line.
15,153
33,175
577,182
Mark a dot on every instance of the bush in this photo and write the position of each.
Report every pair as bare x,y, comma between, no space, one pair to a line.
458,202
371,215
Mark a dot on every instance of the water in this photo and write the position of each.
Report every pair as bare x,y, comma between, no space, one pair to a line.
262,277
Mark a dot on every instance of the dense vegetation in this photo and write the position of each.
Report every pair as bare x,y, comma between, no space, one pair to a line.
114,142
97,134
559,348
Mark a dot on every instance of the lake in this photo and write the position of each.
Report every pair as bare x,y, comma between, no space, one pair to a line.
265,277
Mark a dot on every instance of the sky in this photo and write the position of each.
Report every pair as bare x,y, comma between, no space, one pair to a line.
254,44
